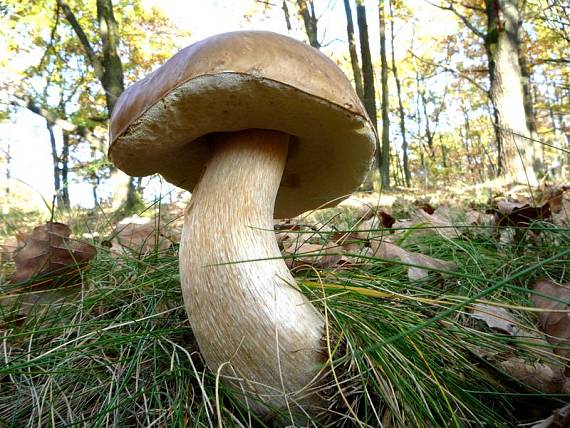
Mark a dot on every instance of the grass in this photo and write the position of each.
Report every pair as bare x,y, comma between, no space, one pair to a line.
118,350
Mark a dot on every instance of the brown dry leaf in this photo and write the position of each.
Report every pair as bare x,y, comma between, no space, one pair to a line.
560,418
49,252
313,255
354,255
373,226
520,214
439,222
553,320
496,318
138,235
8,248
386,250
561,217
542,377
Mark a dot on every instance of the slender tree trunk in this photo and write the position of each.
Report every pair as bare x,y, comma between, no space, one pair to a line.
352,50
8,170
385,107
367,70
369,91
405,160
443,152
64,171
535,147
112,77
428,131
502,45
55,162
286,14
307,11
467,142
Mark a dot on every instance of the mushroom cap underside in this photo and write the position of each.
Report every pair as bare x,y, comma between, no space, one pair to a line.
247,80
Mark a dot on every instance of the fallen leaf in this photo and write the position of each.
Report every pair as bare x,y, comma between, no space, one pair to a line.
313,255
8,248
496,318
542,377
555,317
519,214
51,254
371,228
354,255
439,222
138,235
386,250
561,217
425,206
560,418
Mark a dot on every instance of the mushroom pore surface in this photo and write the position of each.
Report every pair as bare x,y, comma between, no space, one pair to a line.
246,311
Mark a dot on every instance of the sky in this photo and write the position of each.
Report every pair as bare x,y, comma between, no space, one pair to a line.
28,138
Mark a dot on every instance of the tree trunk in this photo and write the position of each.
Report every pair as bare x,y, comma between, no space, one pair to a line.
502,45
109,72
55,162
307,11
534,144
8,171
64,160
112,78
443,152
428,131
405,160
385,163
369,92
352,50
286,14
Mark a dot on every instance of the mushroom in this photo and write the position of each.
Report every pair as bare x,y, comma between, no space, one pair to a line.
256,125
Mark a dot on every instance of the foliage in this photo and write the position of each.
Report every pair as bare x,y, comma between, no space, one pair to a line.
52,75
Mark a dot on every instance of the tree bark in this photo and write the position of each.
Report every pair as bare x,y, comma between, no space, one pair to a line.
55,163
534,145
64,160
352,50
112,78
428,131
307,11
8,170
405,159
109,72
367,70
502,46
286,14
385,158
369,92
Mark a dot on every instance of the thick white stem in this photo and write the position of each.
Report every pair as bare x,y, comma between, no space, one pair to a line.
243,304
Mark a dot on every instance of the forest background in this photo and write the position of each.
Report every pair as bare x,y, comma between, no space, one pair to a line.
462,92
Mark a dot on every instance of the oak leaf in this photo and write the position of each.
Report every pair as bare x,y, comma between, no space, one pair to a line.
554,320
50,254
387,250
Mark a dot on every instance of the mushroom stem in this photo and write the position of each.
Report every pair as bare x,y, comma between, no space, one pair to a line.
245,309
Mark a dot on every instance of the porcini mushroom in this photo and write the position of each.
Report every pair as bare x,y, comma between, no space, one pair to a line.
256,125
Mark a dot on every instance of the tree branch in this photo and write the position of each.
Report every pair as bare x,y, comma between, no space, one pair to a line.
553,60
91,55
463,18
454,71
25,101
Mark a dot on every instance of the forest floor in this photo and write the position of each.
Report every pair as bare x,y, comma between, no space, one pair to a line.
444,308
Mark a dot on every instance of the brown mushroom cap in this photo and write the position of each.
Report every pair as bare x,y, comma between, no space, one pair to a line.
247,80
